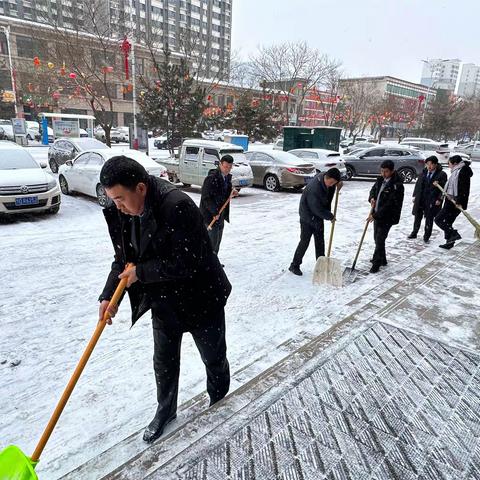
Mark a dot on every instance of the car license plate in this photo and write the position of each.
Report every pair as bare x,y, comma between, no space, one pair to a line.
26,201
242,183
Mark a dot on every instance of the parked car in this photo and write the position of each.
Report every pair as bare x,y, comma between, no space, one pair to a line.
471,149
65,149
83,133
6,133
33,130
24,184
219,135
439,150
199,157
275,170
208,135
418,139
82,174
161,142
359,145
322,159
278,145
409,162
120,134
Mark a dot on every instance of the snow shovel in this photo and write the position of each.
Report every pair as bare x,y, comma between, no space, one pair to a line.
474,222
350,274
14,464
329,270
224,206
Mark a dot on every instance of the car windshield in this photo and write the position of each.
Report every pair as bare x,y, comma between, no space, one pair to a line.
90,144
11,159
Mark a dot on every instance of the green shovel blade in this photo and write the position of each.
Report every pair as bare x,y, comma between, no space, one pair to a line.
15,465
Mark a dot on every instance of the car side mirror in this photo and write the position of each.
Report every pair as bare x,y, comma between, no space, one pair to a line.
69,163
43,165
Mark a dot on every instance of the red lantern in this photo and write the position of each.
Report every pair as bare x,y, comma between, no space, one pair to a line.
209,97
125,47
129,87
36,62
72,75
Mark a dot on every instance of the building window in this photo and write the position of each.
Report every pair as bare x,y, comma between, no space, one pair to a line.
24,47
3,44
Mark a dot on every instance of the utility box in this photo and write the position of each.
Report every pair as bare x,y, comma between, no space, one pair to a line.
241,140
311,137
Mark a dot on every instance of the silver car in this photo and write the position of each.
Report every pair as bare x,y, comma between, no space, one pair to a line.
322,159
276,169
409,163
82,174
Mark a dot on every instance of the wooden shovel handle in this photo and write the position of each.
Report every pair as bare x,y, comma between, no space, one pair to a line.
224,206
360,244
447,195
333,223
78,370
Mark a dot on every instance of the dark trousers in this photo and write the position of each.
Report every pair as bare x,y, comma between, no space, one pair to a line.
210,341
306,232
446,217
380,234
429,215
215,235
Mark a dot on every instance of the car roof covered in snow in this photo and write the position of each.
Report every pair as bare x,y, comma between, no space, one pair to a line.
212,144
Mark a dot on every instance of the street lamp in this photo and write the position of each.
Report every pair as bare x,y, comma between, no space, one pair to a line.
6,29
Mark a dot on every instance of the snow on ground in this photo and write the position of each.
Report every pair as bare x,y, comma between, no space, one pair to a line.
54,268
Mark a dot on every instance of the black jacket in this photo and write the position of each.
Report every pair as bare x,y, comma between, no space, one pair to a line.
391,200
214,194
426,193
464,185
316,202
176,267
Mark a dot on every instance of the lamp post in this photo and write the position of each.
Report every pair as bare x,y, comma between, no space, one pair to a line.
6,29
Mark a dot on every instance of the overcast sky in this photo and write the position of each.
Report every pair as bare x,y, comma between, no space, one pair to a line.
369,37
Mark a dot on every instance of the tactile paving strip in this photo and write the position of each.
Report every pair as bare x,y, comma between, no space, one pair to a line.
390,405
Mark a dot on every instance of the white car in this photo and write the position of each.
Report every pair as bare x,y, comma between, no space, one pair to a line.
322,159
33,130
120,134
278,145
7,132
24,185
82,174
418,139
429,149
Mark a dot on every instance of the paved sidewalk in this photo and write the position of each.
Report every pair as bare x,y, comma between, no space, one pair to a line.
389,392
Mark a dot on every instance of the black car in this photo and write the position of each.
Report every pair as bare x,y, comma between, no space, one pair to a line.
64,149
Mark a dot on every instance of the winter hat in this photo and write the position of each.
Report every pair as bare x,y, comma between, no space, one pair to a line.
334,173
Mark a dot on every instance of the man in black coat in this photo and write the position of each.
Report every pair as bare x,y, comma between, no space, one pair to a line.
315,207
427,198
177,276
457,188
386,199
216,190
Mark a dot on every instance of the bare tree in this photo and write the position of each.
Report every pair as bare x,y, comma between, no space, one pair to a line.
87,60
292,69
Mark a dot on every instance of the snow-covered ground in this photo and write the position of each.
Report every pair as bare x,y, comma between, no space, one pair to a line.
53,268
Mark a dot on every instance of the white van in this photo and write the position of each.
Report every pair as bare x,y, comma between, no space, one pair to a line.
198,157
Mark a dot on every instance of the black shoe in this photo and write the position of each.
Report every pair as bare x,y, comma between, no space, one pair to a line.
456,236
375,268
426,239
448,245
295,270
156,427
412,235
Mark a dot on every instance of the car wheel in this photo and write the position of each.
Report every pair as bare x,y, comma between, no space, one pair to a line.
53,165
102,197
271,183
350,173
54,209
406,174
64,185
